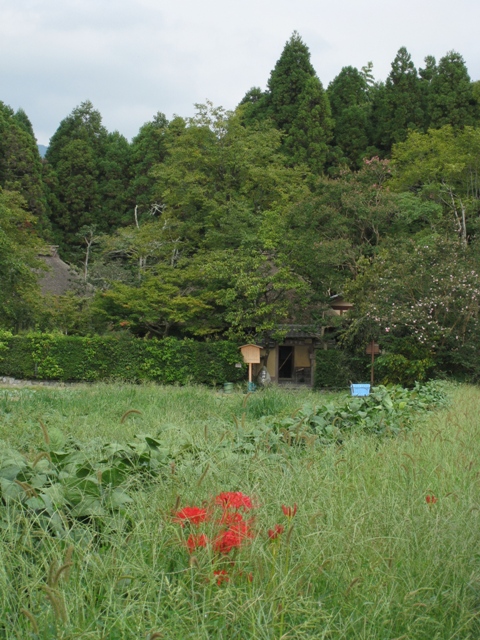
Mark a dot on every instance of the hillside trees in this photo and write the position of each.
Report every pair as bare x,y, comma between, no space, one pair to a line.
443,166
451,99
89,165
349,101
296,102
397,105
20,164
18,250
147,151
421,301
223,190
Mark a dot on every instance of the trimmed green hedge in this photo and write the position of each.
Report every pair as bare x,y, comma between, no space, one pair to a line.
74,358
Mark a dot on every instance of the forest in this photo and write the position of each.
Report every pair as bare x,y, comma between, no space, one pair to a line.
232,224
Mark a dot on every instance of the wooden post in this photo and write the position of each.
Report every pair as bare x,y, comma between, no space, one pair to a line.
251,356
372,350
373,362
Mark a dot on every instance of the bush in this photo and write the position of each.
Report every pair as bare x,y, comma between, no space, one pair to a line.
335,369
395,368
75,358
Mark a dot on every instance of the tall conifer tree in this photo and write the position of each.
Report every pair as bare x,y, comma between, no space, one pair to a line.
298,105
451,97
397,105
20,163
348,95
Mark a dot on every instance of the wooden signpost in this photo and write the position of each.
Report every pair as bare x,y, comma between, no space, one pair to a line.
372,349
251,355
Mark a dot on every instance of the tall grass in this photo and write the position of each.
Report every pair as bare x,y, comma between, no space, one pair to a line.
364,557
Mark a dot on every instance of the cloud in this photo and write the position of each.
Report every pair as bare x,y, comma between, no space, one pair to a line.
132,58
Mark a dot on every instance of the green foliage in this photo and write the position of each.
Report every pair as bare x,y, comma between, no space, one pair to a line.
397,105
19,244
385,411
443,166
59,357
90,173
396,368
332,370
419,300
70,484
258,295
348,96
299,106
20,164
451,99
147,151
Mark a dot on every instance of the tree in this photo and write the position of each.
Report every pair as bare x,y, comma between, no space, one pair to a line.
147,150
222,182
451,97
165,301
254,106
221,193
348,96
307,139
257,296
287,81
19,244
84,123
443,166
20,164
397,105
24,123
426,76
297,104
89,174
77,194
421,301
114,178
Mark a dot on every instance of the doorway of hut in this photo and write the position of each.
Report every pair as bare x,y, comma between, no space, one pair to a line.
285,363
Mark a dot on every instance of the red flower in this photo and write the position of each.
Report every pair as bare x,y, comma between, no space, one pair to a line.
289,512
193,541
430,499
277,530
232,538
233,500
193,515
229,518
222,576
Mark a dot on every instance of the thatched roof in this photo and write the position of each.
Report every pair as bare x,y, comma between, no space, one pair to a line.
59,277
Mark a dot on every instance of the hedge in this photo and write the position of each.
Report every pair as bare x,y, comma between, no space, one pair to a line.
75,358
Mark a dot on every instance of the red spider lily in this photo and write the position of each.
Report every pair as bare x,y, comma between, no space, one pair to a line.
289,512
233,537
234,500
277,530
222,576
430,499
193,541
193,515
229,517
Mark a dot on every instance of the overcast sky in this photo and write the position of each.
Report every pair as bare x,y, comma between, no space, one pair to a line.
132,58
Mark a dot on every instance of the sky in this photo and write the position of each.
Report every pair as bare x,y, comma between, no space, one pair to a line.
133,58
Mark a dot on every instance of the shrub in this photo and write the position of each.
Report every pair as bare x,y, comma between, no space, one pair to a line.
335,369
75,358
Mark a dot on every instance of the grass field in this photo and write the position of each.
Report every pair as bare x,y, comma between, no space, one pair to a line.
384,543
